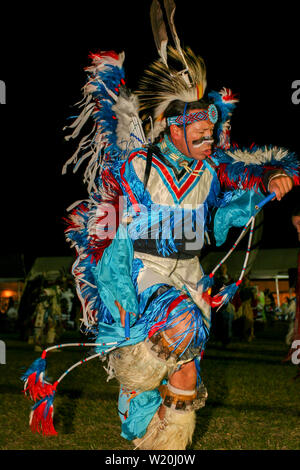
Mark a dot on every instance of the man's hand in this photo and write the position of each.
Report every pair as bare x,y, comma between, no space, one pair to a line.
280,185
122,313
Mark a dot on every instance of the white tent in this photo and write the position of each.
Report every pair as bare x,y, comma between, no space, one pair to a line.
51,267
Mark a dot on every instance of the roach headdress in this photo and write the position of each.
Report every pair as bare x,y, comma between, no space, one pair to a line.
177,75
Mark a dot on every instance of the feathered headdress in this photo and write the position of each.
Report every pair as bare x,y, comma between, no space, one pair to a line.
178,75
225,101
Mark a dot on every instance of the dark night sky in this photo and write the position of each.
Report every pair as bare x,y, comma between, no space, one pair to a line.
42,60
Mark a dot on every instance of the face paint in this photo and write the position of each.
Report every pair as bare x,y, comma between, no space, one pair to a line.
204,140
194,140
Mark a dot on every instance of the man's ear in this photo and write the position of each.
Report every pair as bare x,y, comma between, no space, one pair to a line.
175,132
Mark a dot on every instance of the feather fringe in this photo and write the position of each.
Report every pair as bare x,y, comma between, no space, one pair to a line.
168,311
34,380
87,232
223,297
117,128
245,168
41,416
205,283
161,85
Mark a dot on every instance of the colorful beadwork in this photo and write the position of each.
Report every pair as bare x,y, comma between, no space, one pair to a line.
210,114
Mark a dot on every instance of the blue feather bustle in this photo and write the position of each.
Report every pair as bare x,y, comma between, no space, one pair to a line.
106,83
83,270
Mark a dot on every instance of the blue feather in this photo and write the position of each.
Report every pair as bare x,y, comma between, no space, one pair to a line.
227,293
38,367
206,282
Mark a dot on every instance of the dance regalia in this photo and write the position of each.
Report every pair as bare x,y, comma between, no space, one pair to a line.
138,238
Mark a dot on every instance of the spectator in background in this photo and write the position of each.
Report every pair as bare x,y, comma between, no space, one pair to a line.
224,316
12,314
269,307
46,319
295,331
67,296
38,334
27,307
290,311
282,314
259,315
54,324
245,312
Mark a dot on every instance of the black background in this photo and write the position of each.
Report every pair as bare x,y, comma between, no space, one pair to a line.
44,50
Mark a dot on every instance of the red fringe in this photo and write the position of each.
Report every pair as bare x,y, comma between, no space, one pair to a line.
296,179
251,181
103,54
230,96
113,192
111,197
41,424
212,301
160,324
38,389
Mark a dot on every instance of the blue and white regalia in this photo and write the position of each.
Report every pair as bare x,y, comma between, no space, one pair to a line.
139,234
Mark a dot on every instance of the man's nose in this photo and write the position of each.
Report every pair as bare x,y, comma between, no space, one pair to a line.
208,133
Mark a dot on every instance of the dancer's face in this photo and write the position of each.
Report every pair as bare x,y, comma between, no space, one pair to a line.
198,136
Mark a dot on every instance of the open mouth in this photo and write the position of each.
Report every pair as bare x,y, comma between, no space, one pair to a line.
197,143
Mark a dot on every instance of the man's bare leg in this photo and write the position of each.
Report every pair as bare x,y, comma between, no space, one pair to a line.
184,379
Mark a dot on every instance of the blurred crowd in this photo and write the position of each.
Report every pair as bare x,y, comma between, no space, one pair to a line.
46,310
249,312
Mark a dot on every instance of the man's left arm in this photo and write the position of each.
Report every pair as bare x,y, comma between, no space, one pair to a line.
267,169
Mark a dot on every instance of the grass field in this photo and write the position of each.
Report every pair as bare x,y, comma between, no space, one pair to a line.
253,401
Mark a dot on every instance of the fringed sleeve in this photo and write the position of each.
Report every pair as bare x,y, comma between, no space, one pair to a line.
246,174
252,168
